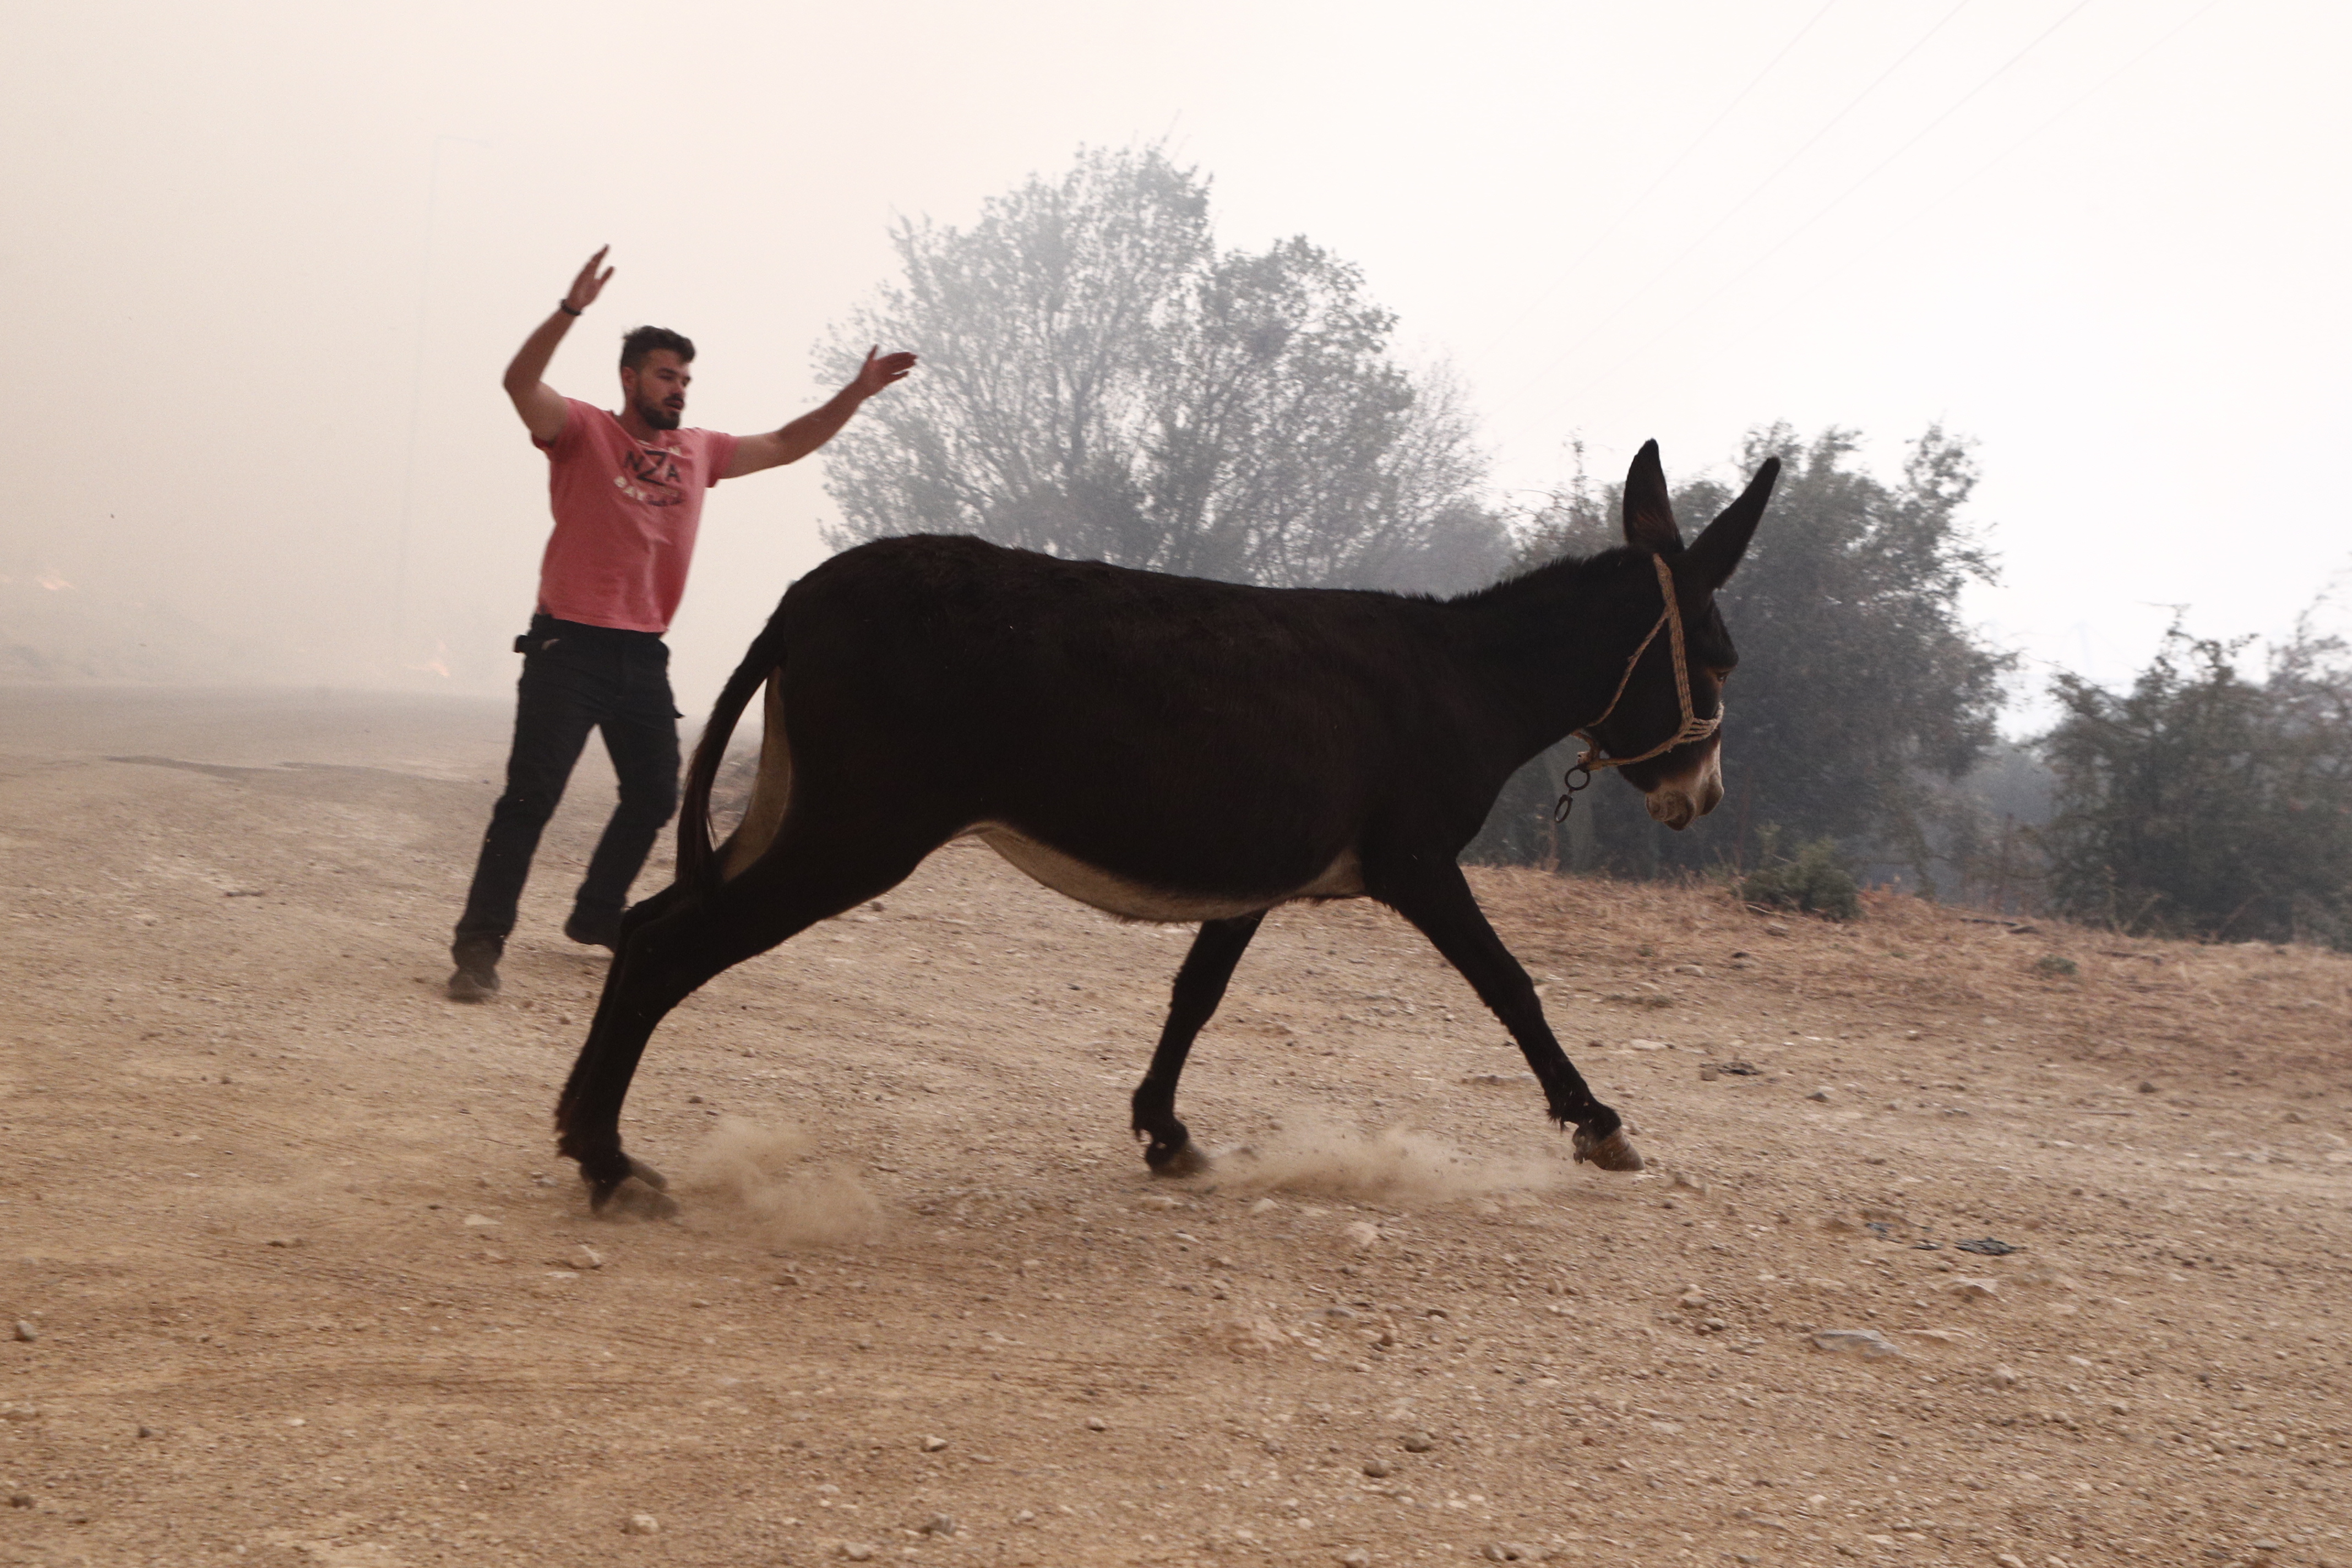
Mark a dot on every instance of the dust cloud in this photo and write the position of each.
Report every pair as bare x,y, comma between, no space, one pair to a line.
1390,1165
770,1181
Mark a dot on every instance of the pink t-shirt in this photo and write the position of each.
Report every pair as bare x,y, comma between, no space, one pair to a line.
626,514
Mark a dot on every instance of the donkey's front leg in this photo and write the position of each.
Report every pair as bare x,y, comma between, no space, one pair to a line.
1200,986
1432,893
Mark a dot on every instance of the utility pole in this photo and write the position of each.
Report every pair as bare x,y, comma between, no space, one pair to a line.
396,634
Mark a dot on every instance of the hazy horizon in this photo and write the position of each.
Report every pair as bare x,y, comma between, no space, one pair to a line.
270,261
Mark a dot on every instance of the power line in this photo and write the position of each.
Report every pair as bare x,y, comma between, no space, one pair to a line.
398,629
1786,240
1886,236
1608,232
1758,189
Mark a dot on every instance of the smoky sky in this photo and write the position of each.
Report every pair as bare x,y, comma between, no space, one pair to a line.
266,262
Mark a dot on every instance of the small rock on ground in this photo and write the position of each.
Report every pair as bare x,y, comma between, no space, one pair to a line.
1867,1342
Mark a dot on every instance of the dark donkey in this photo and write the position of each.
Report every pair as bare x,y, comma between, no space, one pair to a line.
1169,748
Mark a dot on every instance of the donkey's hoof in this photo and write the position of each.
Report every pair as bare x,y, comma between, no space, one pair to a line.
1184,1160
632,1199
1614,1152
622,1186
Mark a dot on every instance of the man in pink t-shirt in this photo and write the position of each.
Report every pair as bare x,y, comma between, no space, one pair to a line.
626,491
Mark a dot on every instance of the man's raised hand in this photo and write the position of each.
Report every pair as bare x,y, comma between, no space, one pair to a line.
541,406
589,284
880,369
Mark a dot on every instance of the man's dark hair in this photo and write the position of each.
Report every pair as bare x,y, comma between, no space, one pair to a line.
643,341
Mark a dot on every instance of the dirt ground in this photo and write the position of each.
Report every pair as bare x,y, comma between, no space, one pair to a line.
300,1279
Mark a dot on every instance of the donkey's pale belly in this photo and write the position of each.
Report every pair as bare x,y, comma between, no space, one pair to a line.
1134,901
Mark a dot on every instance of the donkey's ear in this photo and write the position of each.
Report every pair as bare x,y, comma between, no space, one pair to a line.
1711,561
1649,513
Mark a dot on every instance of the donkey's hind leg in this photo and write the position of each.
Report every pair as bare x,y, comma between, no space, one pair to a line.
815,868
1168,1148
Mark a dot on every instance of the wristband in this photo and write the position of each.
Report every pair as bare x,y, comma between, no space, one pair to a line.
566,306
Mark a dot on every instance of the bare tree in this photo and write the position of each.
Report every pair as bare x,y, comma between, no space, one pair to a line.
1100,383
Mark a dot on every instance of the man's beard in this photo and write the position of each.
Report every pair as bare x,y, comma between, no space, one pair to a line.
657,417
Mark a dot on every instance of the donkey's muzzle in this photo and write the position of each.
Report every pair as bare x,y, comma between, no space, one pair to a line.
1679,802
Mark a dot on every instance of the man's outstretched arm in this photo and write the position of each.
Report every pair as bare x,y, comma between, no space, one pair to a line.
541,406
815,428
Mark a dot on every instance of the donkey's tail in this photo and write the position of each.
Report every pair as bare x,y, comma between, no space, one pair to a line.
697,863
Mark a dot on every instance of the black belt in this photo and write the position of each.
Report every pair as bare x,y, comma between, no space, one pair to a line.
546,630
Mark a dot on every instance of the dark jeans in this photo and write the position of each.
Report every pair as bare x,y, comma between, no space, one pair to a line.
576,678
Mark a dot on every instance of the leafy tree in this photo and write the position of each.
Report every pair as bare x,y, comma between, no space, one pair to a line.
1100,382
1983,831
2204,804
1857,681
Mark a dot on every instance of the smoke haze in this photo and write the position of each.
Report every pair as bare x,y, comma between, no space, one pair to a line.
266,262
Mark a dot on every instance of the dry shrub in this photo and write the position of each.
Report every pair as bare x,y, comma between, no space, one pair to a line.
1814,881
1954,974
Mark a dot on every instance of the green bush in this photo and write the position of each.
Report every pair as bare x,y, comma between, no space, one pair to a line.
1814,881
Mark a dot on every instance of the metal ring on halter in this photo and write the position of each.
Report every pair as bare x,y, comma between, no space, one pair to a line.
1570,785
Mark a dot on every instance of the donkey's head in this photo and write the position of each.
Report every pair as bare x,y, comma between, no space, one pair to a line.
1667,718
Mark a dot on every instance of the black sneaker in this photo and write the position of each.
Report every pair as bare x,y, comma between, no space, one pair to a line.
591,929
476,978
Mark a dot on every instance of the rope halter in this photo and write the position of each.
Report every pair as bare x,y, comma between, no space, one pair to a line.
1693,727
